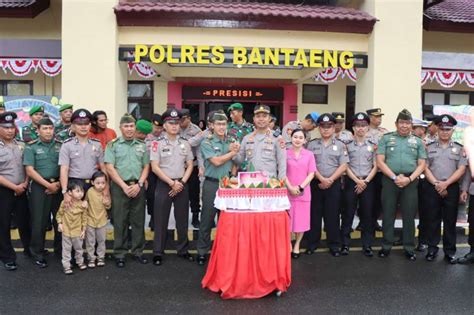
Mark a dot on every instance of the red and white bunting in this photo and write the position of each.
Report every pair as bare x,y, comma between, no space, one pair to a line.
22,67
142,69
330,75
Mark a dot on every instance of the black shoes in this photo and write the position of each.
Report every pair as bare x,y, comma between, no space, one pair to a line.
383,253
335,252
201,260
186,256
431,256
9,266
345,250
467,259
421,247
195,221
295,255
41,263
450,259
367,251
378,227
141,259
410,256
157,260
120,262
310,251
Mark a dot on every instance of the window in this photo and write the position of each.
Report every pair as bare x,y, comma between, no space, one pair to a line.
443,97
315,94
140,99
16,88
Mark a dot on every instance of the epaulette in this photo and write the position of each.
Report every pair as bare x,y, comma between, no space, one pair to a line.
459,144
140,140
19,140
350,141
416,136
94,139
25,127
431,143
160,138
370,141
68,139
59,141
340,140
389,133
183,138
111,143
32,141
314,139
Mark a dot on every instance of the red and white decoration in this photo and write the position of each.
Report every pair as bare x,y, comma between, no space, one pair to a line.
142,69
257,199
445,78
22,67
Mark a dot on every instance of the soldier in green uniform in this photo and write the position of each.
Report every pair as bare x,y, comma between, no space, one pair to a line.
30,133
41,163
65,112
238,128
401,157
217,151
127,164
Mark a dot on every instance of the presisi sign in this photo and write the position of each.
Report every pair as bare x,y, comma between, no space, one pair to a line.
241,56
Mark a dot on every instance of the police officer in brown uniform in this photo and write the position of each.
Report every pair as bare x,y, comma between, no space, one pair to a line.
359,187
172,161
13,185
445,166
80,155
189,130
331,161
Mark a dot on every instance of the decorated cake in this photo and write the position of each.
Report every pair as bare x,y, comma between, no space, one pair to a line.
251,180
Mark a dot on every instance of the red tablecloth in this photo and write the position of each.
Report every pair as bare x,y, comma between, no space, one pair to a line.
251,255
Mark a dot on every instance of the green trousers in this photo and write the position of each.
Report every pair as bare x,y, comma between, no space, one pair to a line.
208,215
128,212
407,198
42,206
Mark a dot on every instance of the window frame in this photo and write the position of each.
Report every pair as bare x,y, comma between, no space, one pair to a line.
326,92
4,86
145,99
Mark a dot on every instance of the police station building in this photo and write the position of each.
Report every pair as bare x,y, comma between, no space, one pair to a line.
317,55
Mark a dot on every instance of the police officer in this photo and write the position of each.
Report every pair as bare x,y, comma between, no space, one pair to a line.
217,151
41,164
238,128
432,134
13,185
308,124
401,158
172,161
467,189
29,132
359,187
127,163
261,149
189,130
341,133
65,113
445,166
375,134
80,155
331,161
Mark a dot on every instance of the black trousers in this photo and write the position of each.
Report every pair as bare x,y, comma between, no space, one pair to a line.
470,219
377,182
445,209
19,206
423,210
194,191
365,201
162,210
325,204
150,195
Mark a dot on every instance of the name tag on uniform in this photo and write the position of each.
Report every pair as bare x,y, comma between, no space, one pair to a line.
40,151
412,140
217,149
369,148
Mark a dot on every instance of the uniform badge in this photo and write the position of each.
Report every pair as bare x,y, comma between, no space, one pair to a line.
326,119
445,119
455,151
392,148
412,140
249,152
174,113
369,148
181,145
82,114
154,146
334,147
8,118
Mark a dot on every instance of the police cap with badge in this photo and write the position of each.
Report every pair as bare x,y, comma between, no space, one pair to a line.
7,119
171,115
261,109
374,112
340,117
445,121
325,119
360,118
81,116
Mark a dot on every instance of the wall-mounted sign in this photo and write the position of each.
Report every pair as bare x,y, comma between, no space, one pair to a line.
244,56
232,93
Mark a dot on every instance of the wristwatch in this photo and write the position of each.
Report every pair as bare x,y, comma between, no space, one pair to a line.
64,191
393,177
140,184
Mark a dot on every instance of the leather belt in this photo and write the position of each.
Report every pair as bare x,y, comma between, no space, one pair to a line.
87,181
211,179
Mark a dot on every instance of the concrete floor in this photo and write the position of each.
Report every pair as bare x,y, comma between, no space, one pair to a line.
321,284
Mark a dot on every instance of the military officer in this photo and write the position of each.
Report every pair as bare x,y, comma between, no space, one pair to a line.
341,133
65,113
331,162
189,130
467,190
217,151
445,166
172,161
359,187
41,164
308,124
29,132
261,149
127,163
143,129
375,134
238,128
401,157
13,186
80,156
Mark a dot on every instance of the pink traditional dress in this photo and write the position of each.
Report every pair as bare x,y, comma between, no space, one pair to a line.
297,169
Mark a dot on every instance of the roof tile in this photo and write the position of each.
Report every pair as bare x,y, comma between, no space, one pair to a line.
458,11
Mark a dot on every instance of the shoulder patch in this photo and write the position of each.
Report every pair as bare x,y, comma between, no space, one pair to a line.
94,139
160,138
459,144
431,143
68,139
183,138
371,142
33,141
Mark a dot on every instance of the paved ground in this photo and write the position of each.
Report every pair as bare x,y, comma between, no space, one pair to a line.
321,284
